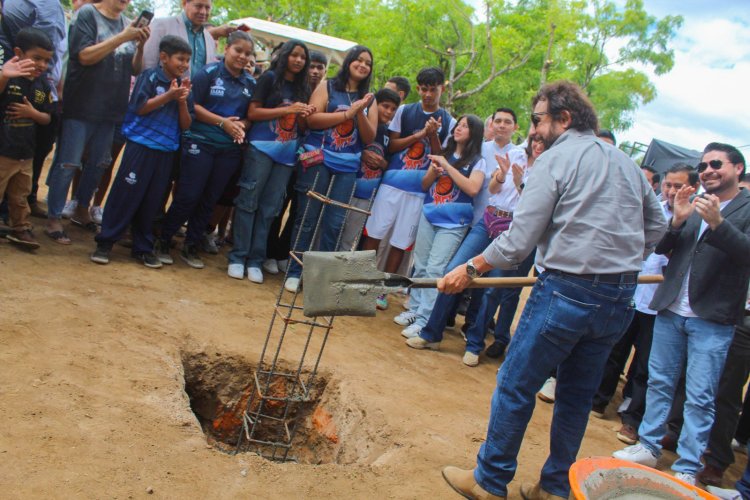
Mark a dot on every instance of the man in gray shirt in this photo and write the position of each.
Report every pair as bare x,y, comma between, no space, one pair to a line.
592,215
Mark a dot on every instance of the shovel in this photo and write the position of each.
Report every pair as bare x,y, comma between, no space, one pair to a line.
347,283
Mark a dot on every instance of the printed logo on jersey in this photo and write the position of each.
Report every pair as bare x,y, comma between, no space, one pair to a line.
160,90
39,97
246,92
217,89
413,158
444,190
285,128
194,149
342,134
130,179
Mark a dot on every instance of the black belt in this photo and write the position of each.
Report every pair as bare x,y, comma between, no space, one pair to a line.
629,278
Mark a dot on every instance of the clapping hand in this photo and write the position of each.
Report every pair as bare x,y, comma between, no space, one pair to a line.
360,104
235,128
185,88
15,67
682,206
517,175
709,208
439,164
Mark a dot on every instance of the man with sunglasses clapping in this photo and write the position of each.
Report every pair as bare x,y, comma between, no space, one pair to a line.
699,303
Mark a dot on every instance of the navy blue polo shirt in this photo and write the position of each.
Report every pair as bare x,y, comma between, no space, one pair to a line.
159,129
219,92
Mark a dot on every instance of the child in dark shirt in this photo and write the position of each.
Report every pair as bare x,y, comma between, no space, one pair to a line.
25,102
160,109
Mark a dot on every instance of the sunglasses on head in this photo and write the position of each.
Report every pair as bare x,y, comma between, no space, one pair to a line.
537,117
715,164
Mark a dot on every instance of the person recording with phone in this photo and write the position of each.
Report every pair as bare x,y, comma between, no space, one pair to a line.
106,50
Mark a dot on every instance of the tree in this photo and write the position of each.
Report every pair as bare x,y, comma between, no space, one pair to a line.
500,57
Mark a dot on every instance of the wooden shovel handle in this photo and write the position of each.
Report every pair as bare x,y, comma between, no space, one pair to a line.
515,282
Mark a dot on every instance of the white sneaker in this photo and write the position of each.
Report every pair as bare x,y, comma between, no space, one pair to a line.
624,405
236,271
420,343
547,392
255,275
96,214
470,359
685,477
411,331
292,285
637,453
724,494
406,318
70,208
270,266
282,265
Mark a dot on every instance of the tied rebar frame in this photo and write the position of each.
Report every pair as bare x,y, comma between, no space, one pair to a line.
272,415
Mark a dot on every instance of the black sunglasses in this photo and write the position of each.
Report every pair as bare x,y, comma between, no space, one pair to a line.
537,117
715,164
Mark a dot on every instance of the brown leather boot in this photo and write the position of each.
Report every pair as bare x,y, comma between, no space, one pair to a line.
710,475
462,481
535,492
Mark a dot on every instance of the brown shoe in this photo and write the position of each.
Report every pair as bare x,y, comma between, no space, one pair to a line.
37,211
627,434
669,442
710,475
462,481
23,238
535,492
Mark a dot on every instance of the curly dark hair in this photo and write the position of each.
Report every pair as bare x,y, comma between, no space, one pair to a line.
567,96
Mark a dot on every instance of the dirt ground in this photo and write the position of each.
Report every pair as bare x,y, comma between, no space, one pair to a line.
93,404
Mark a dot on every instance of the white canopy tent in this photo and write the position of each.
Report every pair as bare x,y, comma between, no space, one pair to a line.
271,34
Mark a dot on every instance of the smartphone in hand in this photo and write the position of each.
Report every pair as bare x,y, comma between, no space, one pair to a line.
144,19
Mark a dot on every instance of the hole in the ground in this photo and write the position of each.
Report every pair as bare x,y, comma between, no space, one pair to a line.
329,430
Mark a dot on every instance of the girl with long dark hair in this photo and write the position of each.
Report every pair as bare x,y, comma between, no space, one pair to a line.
454,178
349,117
277,109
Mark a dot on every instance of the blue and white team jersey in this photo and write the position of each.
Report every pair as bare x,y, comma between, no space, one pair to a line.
445,205
407,168
159,129
278,138
342,147
223,94
368,179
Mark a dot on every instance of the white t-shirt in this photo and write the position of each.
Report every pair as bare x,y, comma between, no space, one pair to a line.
652,265
489,150
508,196
681,305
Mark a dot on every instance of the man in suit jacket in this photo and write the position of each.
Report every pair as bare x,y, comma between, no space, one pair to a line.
190,25
699,303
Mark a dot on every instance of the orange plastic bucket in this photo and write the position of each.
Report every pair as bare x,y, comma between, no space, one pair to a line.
605,478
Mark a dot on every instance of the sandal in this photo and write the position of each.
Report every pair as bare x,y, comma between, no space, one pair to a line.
88,226
58,237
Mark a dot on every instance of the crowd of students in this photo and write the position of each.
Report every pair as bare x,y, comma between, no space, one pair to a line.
226,141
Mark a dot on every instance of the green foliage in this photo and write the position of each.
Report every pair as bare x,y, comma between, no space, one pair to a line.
595,43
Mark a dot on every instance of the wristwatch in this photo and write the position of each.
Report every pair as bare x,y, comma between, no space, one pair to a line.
472,270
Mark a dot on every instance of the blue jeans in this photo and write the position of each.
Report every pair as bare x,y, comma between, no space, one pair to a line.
570,324
262,189
474,244
506,299
338,186
433,250
703,344
75,137
205,172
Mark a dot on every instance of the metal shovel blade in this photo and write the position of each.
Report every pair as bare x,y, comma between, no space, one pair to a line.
341,283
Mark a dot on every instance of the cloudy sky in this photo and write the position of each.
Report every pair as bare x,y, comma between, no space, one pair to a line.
702,98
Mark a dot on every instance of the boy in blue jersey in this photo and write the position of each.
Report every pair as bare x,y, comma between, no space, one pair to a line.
160,109
416,131
374,162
